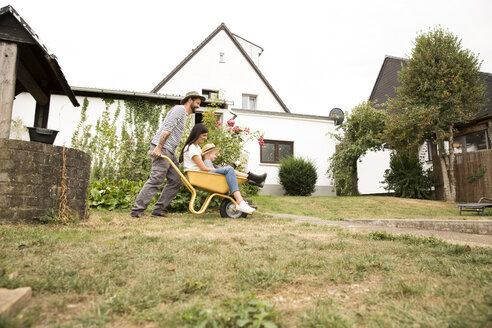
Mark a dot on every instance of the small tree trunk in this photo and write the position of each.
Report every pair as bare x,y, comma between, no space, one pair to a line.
444,169
353,174
452,178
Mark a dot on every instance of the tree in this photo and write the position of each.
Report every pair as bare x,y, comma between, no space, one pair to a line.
362,132
440,87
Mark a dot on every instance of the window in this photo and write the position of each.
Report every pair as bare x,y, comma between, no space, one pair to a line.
471,142
249,101
273,151
199,117
210,94
221,58
429,151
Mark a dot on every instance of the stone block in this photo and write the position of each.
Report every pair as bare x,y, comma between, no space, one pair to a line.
4,177
13,300
6,165
7,214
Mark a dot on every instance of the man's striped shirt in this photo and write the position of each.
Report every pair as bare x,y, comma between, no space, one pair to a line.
175,123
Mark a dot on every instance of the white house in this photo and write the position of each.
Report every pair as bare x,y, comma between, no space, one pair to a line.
226,65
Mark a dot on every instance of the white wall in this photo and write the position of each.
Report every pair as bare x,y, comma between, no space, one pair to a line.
252,50
234,77
370,171
310,137
63,116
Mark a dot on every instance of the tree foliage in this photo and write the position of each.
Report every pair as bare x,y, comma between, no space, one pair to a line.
440,87
229,137
363,131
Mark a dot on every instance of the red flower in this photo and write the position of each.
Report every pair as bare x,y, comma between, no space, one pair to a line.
231,122
261,142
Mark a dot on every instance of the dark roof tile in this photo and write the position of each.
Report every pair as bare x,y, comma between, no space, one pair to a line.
387,81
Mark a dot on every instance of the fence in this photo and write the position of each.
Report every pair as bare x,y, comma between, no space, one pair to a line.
473,172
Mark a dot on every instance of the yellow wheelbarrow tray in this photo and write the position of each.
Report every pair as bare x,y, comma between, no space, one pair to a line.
213,183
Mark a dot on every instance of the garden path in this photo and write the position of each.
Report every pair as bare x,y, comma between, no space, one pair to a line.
453,237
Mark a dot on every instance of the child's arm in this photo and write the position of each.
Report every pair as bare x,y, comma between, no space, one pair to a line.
208,163
198,161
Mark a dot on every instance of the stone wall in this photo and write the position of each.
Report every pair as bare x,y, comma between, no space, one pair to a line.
31,180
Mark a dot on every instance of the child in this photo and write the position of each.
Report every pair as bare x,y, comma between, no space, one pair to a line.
209,154
191,157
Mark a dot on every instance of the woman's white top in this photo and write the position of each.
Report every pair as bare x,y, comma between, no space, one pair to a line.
188,163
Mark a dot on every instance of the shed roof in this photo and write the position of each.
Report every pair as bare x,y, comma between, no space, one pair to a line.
125,94
387,81
39,62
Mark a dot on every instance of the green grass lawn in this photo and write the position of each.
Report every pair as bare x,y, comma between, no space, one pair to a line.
186,270
364,207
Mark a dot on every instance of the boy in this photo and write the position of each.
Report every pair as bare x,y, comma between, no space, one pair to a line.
209,154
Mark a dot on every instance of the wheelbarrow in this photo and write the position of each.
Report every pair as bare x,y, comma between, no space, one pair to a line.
213,183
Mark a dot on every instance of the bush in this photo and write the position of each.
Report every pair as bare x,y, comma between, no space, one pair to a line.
120,194
298,176
111,194
407,177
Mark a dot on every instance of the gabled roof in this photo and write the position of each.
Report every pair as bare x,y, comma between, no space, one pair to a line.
222,27
387,81
33,53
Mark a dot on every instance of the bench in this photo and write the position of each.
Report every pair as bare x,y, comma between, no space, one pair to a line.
475,207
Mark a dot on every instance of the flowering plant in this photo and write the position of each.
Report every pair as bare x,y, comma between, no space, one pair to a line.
229,137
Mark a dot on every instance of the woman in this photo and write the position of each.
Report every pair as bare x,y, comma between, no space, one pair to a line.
191,157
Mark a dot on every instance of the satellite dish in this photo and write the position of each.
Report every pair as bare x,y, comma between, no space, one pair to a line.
338,114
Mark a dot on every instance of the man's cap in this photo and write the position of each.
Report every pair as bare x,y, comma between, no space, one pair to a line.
208,148
192,94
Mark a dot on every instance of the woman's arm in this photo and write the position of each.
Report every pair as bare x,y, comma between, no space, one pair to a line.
198,161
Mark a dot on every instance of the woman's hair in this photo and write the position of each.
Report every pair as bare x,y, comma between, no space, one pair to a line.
198,129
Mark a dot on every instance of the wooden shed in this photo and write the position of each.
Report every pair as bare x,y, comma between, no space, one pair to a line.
26,65
35,178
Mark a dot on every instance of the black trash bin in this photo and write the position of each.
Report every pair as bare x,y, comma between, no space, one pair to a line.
46,136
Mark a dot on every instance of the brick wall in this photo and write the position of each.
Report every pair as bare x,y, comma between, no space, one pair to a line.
31,178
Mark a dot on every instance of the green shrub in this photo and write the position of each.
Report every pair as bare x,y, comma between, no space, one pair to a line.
248,190
407,177
298,176
120,194
111,194
249,312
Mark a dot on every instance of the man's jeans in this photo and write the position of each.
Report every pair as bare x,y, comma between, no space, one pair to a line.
230,176
161,169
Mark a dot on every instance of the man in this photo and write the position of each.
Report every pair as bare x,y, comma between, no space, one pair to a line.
165,142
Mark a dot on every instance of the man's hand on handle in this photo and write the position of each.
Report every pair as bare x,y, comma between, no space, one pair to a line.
157,151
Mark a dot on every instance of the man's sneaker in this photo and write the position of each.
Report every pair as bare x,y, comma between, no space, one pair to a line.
136,215
245,208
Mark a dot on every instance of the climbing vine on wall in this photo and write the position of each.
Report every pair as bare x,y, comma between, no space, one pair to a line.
142,120
120,153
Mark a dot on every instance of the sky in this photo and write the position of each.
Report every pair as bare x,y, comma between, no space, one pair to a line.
318,55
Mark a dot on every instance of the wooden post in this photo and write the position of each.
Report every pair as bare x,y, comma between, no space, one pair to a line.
8,63
41,115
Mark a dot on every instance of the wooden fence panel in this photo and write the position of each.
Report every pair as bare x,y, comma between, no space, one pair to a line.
466,166
472,182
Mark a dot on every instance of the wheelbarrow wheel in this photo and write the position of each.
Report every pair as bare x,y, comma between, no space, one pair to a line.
227,210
